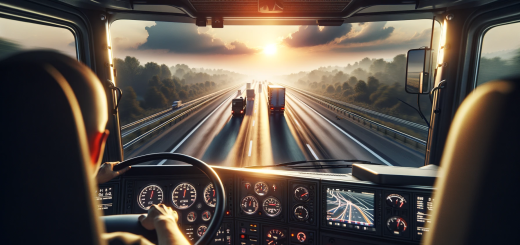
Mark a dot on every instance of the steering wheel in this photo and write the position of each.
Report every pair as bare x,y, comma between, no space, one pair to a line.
130,223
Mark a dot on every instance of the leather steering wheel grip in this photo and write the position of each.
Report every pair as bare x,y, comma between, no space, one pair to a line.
130,223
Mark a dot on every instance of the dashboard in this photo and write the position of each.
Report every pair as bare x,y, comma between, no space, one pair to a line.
274,207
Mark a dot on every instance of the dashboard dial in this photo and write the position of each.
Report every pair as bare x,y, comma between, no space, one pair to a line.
301,236
272,207
395,200
301,213
261,188
209,195
206,215
151,194
275,237
249,205
301,194
192,216
201,230
184,196
396,224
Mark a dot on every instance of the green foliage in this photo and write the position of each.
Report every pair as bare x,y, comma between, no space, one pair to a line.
330,89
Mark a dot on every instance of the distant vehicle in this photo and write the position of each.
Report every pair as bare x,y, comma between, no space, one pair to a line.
250,93
248,85
276,98
259,88
176,104
239,92
238,106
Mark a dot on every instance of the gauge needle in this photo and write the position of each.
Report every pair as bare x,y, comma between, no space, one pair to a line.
213,192
401,204
184,195
304,194
249,203
151,195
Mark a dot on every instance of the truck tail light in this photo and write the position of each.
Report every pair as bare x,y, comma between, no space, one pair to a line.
241,112
232,112
272,108
282,108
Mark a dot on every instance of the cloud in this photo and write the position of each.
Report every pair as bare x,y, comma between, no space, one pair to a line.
370,32
186,39
308,36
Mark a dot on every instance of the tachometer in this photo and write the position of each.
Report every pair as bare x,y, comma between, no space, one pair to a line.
184,196
272,207
261,188
209,195
275,237
301,194
395,200
301,213
396,224
201,230
249,205
151,194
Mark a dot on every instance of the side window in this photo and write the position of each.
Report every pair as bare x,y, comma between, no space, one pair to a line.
500,55
16,36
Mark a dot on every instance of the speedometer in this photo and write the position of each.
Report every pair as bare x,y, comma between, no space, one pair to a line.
275,237
151,194
261,188
209,196
249,205
184,196
272,207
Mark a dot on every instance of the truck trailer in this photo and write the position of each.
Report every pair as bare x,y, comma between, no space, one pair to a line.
275,98
238,106
248,86
250,94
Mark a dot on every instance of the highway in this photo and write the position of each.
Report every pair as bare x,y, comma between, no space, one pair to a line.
306,131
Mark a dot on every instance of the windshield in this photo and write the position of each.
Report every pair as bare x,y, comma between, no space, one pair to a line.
316,92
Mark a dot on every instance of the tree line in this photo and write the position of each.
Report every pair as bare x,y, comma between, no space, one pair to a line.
151,87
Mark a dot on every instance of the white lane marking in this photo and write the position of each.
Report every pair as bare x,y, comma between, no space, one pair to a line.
348,135
296,122
250,146
193,131
253,123
255,111
312,152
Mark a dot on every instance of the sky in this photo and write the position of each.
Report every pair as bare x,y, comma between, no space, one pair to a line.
259,51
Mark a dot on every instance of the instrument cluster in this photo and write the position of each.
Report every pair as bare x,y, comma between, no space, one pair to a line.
262,198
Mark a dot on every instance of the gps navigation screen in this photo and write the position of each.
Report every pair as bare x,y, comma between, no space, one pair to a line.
348,208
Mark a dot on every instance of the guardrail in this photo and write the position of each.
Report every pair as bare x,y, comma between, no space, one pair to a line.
142,120
362,109
371,124
171,121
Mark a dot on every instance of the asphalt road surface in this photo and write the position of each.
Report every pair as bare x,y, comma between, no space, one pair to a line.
306,131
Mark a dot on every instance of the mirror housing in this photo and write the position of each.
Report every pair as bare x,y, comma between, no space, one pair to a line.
417,71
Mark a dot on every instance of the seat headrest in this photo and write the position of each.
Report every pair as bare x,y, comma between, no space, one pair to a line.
45,158
475,197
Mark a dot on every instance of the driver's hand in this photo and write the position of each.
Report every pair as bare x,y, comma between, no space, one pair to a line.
156,214
106,172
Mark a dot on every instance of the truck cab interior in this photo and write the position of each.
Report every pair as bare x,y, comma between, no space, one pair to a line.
221,186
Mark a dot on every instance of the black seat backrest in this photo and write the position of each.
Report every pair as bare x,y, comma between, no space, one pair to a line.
48,191
476,196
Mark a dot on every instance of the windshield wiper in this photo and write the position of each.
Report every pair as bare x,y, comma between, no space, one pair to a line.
291,164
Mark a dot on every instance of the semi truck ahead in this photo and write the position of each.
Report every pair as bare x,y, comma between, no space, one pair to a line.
238,106
250,94
176,104
248,85
275,98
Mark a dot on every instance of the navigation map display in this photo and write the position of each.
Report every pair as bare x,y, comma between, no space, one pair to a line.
349,208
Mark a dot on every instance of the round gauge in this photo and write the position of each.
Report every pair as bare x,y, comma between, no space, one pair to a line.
301,213
201,230
301,236
395,201
275,237
272,206
206,215
152,194
209,195
396,224
184,195
301,194
192,216
249,205
247,185
261,188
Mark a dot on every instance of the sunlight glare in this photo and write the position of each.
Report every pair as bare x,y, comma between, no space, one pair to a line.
270,49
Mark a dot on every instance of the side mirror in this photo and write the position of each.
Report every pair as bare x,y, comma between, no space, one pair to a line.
417,71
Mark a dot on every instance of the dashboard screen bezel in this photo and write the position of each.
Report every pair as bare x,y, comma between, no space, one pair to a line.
377,210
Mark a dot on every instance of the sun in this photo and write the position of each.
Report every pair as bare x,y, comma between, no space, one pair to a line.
270,49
